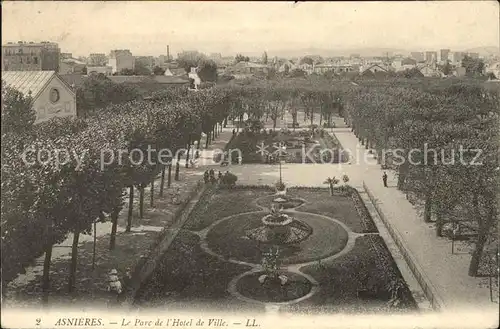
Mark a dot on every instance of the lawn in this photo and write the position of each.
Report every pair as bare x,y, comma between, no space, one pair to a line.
216,204
301,146
358,281
349,209
188,274
229,240
364,279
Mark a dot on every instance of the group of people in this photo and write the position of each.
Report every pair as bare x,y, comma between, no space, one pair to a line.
209,176
118,288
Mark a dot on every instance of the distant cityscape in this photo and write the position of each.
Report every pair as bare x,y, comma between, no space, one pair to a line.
47,56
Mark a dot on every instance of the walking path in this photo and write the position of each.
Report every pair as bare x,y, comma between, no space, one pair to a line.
446,272
155,219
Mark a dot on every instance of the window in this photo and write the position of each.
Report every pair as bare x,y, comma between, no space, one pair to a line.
54,95
20,51
67,107
41,112
35,60
20,60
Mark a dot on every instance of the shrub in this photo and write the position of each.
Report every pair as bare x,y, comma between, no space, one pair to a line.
280,186
229,179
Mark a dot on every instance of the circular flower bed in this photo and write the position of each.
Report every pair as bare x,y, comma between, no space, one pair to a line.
272,290
281,220
230,238
284,201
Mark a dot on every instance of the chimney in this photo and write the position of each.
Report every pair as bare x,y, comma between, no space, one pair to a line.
168,53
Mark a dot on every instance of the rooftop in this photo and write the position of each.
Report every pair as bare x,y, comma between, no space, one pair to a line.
27,81
159,79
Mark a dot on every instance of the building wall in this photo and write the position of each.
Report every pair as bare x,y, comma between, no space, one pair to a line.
456,57
444,55
120,60
418,56
147,61
430,56
106,70
31,57
70,68
97,59
64,107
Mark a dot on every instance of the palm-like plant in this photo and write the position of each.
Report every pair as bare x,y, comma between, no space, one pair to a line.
331,183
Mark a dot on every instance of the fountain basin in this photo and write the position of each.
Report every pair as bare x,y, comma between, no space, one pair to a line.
281,220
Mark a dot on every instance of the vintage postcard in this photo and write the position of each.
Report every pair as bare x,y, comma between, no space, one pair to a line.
199,164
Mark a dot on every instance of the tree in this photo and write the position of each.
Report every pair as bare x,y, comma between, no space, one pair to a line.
412,73
158,70
306,60
331,181
264,57
446,68
18,114
207,70
241,58
126,72
141,69
473,66
297,73
491,76
189,59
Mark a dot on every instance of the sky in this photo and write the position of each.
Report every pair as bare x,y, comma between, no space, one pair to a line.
251,27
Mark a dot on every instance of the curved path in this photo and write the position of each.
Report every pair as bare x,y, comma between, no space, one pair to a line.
293,268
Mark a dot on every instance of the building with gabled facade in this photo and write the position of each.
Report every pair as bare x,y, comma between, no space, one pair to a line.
374,71
430,71
51,95
404,64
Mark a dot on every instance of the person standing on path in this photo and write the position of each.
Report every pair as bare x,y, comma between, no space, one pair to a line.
384,179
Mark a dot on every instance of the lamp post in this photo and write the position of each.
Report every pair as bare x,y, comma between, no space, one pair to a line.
281,150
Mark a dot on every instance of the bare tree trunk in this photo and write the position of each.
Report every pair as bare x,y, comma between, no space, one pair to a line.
428,207
114,226
46,263
162,181
169,181
439,222
187,153
130,208
177,166
403,171
141,201
74,261
485,225
152,194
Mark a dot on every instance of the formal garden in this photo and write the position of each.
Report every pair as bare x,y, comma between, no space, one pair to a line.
308,250
312,145
45,203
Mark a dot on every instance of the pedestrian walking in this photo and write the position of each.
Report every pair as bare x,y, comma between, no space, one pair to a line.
212,176
220,177
384,179
234,132
206,177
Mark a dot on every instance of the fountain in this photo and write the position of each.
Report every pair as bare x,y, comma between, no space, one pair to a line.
279,228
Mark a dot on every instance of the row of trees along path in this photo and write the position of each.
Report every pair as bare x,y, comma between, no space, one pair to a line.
43,200
453,193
